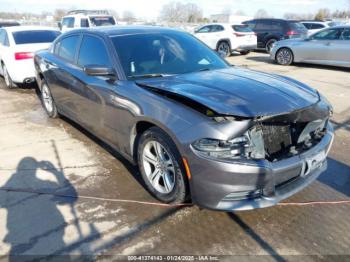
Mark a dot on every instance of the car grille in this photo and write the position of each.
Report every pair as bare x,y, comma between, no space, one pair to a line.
277,138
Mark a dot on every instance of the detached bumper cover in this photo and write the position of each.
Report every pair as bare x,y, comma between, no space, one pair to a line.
254,184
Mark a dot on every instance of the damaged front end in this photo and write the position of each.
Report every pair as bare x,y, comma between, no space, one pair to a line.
272,138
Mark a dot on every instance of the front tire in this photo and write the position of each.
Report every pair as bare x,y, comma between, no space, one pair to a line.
284,56
161,168
7,78
47,101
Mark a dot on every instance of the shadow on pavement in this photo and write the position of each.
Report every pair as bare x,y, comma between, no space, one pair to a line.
249,231
34,223
337,176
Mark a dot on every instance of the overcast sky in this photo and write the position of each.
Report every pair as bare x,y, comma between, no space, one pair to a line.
150,8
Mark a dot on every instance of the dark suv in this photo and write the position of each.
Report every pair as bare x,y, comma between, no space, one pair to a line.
270,31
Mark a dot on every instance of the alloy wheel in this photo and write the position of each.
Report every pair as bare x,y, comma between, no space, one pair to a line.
284,57
224,47
47,98
159,167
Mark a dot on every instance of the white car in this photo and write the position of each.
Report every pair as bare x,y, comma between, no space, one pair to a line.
17,47
316,26
86,18
227,38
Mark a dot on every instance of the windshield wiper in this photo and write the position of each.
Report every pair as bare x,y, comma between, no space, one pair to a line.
148,76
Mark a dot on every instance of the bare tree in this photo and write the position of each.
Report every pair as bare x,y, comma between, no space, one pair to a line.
322,14
261,13
128,16
183,13
59,13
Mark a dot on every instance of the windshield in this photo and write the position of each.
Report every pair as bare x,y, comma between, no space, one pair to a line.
102,20
164,54
35,36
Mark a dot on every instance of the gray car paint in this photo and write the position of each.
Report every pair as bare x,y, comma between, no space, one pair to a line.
115,110
326,52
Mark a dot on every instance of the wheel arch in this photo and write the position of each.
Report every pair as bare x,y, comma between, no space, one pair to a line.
224,40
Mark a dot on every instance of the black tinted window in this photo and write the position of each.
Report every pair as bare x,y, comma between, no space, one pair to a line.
102,20
32,37
93,52
263,25
317,26
297,26
251,24
308,25
67,47
84,22
68,22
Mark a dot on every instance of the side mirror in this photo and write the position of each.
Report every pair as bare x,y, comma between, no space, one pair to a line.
59,24
95,70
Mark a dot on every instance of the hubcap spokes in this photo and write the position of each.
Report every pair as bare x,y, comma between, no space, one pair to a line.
284,57
224,48
159,167
47,98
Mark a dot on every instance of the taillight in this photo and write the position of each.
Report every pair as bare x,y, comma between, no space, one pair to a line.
238,34
292,32
23,55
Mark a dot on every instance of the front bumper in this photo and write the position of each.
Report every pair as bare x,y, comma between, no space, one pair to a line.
216,185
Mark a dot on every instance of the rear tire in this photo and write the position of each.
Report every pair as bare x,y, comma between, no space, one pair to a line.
270,44
7,78
284,56
161,167
47,101
224,47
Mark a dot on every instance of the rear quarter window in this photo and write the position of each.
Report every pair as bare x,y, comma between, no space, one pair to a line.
35,37
242,28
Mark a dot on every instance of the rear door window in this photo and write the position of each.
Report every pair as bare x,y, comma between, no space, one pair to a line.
67,47
217,28
93,52
328,34
317,26
35,36
263,26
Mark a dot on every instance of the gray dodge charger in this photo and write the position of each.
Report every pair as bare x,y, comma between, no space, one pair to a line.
199,129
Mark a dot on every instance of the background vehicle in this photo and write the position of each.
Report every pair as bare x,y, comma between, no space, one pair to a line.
227,37
330,46
86,18
270,30
8,23
315,26
169,103
17,47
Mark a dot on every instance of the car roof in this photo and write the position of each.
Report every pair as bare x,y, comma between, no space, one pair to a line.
28,28
124,30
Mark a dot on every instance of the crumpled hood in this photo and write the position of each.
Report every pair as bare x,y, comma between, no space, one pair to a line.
238,92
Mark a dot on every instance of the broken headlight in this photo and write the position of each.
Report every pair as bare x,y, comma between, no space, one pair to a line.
250,146
220,149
